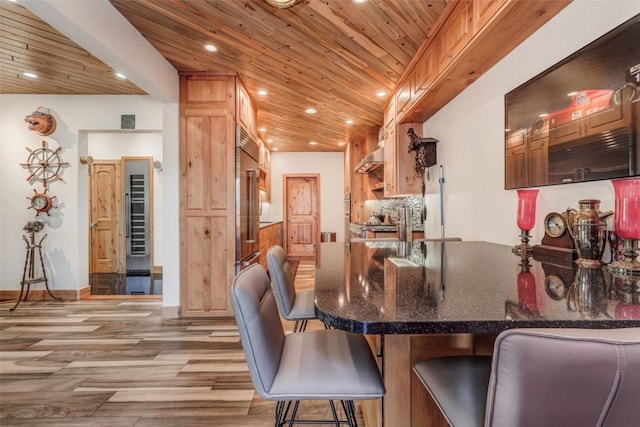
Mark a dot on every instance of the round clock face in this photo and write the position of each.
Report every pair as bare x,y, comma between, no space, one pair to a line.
554,287
41,202
555,225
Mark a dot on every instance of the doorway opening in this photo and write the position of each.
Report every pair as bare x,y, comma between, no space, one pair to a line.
121,231
302,214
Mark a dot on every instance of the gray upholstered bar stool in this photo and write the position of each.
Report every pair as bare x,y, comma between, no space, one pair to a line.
326,364
541,377
294,306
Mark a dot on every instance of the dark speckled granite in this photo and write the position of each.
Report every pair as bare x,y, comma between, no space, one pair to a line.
461,287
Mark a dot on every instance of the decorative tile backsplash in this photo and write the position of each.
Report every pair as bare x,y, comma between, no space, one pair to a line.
390,207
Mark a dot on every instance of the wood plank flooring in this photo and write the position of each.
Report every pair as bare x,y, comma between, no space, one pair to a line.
116,362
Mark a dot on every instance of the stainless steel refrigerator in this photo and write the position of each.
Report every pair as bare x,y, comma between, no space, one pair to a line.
247,200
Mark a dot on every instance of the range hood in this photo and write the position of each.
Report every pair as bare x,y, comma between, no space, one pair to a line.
371,161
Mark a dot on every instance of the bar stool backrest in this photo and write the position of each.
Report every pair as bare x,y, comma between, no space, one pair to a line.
259,325
282,278
574,377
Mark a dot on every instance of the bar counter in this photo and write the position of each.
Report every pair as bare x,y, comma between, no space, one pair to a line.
428,299
462,287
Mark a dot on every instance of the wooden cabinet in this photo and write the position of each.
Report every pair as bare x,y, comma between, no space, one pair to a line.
403,97
425,72
473,37
399,175
270,235
359,181
455,34
246,113
390,146
348,169
264,166
483,11
207,192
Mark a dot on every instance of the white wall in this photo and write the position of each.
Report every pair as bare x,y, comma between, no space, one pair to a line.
471,134
330,166
78,117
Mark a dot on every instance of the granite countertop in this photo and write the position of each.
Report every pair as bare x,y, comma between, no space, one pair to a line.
391,287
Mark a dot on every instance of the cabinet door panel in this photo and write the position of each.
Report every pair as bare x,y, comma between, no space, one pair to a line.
425,71
455,34
483,11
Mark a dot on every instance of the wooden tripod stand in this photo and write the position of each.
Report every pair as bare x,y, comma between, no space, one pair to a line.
29,272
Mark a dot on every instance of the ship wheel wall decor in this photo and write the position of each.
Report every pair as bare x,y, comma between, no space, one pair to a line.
44,164
41,202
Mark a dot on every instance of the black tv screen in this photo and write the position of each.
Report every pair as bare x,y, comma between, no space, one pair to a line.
579,120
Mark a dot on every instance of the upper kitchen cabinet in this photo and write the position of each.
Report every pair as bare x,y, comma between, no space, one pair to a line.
208,111
399,176
454,35
359,181
483,11
348,169
246,112
471,38
264,164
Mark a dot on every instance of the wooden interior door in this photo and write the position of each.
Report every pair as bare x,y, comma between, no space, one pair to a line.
105,234
302,214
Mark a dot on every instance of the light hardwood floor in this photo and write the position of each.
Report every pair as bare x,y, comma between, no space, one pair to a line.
103,362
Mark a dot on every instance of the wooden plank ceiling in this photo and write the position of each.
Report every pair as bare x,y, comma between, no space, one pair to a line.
331,55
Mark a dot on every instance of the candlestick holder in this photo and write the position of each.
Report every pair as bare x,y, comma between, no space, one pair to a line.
627,223
526,220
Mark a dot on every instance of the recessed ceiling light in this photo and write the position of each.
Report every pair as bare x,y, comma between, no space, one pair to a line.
341,143
381,94
310,111
270,140
121,76
274,149
262,129
349,121
262,92
313,143
359,1
30,74
210,48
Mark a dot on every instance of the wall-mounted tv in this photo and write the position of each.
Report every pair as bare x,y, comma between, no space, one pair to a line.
579,120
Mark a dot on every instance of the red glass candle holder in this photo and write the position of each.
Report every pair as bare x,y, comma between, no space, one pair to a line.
527,289
526,220
627,223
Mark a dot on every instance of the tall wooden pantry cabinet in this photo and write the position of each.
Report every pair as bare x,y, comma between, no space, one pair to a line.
210,105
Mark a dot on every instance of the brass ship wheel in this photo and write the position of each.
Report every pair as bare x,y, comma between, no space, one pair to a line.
44,164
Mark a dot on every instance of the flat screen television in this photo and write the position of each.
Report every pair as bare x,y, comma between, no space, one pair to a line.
579,120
